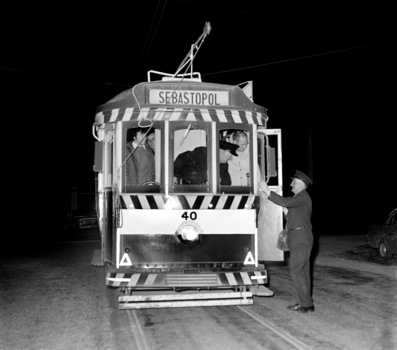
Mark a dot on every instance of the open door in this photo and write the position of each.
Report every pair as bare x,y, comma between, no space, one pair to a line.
270,217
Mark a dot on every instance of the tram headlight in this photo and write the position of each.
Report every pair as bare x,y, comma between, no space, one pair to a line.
189,231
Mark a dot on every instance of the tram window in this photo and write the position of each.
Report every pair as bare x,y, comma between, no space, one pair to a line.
190,156
267,154
107,166
262,154
142,159
239,167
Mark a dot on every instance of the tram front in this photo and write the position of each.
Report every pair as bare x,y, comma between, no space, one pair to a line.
192,225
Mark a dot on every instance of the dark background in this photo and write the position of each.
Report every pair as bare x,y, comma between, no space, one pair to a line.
323,69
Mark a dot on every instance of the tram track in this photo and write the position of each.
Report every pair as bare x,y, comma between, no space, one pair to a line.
137,331
279,338
293,341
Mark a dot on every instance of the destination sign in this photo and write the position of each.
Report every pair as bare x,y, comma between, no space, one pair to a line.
189,97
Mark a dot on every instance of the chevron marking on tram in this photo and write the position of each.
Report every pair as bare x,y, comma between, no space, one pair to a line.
183,114
189,202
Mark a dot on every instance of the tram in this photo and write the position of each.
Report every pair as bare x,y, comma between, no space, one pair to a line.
175,242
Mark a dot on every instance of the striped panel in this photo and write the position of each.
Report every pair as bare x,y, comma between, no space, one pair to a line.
189,202
221,279
182,114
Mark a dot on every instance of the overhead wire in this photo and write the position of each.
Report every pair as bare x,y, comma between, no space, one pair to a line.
295,59
14,69
143,52
283,61
146,53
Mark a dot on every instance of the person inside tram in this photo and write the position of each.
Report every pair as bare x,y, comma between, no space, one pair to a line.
151,140
140,166
190,167
239,167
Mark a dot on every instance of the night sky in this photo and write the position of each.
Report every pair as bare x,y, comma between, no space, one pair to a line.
323,69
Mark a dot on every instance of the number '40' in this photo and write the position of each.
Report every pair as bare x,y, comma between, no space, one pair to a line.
192,215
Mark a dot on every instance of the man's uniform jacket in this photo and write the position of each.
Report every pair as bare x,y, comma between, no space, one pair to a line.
298,217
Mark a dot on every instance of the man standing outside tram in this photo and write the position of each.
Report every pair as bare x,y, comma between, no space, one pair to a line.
300,237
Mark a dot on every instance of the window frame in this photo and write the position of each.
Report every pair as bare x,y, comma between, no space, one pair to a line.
249,130
153,188
184,188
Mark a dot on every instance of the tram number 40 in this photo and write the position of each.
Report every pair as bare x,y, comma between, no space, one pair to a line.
192,215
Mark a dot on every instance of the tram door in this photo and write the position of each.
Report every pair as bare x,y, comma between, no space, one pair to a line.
270,217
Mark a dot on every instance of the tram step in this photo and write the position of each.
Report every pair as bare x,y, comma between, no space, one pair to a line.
184,300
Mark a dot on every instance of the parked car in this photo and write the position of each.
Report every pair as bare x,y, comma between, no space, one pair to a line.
76,220
384,236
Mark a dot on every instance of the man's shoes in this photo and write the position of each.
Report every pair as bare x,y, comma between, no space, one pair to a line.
301,309
293,307
304,309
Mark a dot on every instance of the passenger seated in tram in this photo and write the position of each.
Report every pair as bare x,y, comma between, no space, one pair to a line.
140,166
190,167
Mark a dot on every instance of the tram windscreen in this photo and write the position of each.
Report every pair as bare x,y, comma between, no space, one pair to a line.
142,159
239,167
190,156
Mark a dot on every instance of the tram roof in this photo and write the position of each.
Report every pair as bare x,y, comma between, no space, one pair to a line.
182,100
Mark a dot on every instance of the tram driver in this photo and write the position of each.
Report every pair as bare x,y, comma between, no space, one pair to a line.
190,167
140,166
